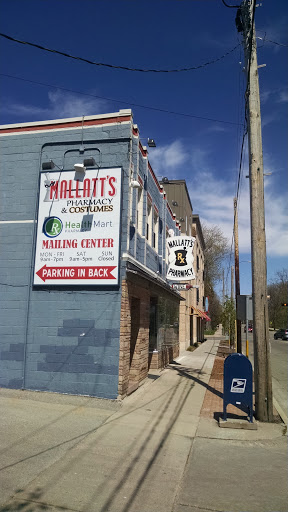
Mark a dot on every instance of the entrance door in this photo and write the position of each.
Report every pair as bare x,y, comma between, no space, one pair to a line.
191,329
135,325
153,324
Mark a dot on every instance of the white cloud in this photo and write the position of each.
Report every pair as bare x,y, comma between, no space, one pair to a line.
283,97
269,118
212,196
217,128
279,95
60,105
265,95
168,158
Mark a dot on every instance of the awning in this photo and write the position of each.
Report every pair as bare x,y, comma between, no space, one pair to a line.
205,316
201,314
195,311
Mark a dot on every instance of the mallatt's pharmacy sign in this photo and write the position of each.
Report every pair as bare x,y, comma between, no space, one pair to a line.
78,228
180,258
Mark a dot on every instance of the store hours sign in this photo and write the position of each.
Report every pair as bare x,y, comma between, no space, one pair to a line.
78,228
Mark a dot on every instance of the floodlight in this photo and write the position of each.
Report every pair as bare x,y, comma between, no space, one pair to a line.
80,168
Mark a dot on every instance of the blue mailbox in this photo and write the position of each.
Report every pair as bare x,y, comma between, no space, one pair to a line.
238,383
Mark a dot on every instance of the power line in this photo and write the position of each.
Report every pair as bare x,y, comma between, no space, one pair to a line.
126,68
275,42
120,101
230,6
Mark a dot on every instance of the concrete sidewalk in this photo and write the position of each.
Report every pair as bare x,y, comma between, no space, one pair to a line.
156,451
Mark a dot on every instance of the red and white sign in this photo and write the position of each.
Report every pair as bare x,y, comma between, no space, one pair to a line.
78,230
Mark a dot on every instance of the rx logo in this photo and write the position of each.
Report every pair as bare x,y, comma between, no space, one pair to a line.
181,257
52,227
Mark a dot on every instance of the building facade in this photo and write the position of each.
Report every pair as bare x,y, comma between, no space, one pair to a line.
192,315
86,308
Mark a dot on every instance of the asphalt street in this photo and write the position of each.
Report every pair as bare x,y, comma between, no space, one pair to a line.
279,364
154,451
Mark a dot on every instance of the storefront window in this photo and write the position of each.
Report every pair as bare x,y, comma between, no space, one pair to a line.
168,322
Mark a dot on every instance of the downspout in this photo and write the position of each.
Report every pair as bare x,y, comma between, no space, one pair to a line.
130,189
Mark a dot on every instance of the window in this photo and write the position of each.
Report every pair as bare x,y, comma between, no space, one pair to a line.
149,223
198,263
155,229
139,214
197,295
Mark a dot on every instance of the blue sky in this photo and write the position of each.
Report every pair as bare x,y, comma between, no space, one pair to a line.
163,34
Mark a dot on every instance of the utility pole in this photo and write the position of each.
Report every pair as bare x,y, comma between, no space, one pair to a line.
262,365
232,299
237,278
223,287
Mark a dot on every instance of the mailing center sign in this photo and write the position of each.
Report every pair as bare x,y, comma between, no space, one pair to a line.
180,258
78,229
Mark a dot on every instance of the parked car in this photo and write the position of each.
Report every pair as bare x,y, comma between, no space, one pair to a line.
250,328
285,335
278,334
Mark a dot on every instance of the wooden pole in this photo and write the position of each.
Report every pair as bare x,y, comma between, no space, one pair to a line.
262,365
237,276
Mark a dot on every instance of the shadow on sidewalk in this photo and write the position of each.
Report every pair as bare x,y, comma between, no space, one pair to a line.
187,372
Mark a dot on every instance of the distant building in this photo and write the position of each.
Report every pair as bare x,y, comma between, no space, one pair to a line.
86,307
192,312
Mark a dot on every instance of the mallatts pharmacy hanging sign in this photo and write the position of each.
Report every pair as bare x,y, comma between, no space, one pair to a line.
78,228
180,258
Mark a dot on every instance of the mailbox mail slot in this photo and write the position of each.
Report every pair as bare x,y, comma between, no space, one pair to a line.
238,383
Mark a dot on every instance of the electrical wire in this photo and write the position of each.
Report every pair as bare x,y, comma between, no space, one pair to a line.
125,68
155,109
230,6
275,42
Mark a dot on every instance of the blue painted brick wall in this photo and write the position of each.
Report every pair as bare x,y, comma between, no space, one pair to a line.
69,340
62,340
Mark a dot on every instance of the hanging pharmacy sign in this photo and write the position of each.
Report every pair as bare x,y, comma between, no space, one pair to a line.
78,228
180,258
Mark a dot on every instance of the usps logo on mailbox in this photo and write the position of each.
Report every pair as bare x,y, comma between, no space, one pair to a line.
238,386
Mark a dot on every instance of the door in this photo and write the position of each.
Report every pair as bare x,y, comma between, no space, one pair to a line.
135,325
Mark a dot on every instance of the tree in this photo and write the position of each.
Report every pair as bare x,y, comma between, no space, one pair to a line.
215,309
216,249
277,293
228,318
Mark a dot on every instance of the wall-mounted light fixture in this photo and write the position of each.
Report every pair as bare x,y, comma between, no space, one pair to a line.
165,180
135,184
80,168
151,143
47,166
182,219
89,162
174,203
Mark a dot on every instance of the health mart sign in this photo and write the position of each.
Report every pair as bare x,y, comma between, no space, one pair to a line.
78,230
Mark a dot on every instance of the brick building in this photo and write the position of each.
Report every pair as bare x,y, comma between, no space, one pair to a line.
192,315
86,308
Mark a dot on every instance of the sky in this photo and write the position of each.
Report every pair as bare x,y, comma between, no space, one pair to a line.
196,117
